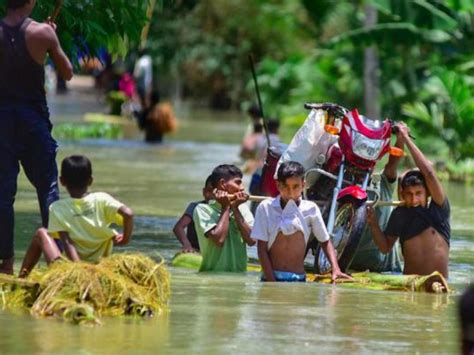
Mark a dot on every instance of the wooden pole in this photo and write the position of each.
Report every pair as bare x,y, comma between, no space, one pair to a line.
380,203
56,11
146,29
260,105
375,203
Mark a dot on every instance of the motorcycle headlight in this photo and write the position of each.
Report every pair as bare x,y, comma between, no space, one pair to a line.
365,147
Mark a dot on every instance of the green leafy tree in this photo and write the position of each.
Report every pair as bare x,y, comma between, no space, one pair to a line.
205,44
86,26
423,45
445,109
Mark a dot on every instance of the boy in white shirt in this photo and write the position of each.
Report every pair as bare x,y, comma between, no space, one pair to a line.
82,221
283,226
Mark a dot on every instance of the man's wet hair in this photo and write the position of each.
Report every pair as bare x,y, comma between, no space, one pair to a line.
226,172
254,111
257,128
413,178
76,171
143,51
16,4
466,316
290,169
273,125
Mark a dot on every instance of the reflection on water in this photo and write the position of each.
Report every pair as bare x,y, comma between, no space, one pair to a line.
233,313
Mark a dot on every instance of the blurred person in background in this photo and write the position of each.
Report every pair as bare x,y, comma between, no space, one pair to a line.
143,75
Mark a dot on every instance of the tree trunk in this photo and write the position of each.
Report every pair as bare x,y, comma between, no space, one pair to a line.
371,70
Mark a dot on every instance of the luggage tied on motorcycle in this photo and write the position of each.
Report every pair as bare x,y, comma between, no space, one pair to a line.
310,142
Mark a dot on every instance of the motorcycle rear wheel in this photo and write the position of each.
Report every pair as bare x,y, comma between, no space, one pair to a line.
348,227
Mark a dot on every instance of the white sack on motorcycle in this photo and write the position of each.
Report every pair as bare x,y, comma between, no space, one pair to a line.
309,142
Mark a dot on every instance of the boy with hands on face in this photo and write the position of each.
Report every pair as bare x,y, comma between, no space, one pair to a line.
224,224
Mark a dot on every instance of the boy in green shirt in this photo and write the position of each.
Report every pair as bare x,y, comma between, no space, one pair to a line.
82,221
223,226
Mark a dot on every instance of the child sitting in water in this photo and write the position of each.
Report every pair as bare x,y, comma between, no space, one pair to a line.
283,226
184,229
223,226
81,221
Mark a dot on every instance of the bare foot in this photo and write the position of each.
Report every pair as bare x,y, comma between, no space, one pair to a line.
438,287
23,273
6,267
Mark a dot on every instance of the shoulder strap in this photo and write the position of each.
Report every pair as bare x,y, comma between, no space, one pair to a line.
25,24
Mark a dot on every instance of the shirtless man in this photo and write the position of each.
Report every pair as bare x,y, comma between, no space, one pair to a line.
25,129
282,228
423,228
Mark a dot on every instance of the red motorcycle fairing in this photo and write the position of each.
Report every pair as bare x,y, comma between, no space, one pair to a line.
355,122
352,122
354,191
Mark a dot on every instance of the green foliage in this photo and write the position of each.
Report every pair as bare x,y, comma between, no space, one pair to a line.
461,171
85,26
447,110
314,51
208,42
425,51
71,131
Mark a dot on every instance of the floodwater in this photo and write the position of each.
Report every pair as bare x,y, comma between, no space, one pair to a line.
229,313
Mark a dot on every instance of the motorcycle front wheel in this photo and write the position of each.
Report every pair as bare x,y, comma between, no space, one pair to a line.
348,227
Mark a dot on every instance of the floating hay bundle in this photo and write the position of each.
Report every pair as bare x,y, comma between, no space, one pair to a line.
122,284
152,280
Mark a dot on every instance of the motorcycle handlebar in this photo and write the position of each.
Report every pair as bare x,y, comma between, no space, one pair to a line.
327,106
395,129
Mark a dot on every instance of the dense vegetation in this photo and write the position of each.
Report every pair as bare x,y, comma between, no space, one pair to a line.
314,51
87,26
305,50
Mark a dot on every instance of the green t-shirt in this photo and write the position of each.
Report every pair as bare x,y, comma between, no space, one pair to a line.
368,256
232,256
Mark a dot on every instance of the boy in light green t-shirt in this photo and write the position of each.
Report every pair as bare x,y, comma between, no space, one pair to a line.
82,221
223,226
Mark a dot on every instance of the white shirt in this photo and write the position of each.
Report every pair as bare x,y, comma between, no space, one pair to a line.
144,70
270,219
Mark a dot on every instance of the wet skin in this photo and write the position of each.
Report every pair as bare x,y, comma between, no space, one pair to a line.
428,251
287,251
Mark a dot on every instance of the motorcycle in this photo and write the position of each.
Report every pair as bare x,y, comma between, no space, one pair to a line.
342,177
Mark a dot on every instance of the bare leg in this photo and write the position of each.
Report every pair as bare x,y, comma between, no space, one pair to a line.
41,242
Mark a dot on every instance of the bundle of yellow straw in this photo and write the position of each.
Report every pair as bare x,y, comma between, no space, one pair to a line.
121,284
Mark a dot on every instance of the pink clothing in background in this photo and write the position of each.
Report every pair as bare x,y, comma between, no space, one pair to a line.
127,85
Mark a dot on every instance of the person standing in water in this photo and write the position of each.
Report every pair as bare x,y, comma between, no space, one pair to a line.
25,128
422,225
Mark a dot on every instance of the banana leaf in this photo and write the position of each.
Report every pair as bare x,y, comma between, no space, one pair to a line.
433,283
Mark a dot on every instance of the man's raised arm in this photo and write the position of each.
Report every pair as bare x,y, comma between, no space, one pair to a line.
426,168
